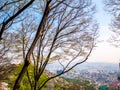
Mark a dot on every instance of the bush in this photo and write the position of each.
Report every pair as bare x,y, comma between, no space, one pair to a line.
25,83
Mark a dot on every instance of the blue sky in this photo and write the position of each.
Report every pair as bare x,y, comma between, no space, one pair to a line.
104,52
103,18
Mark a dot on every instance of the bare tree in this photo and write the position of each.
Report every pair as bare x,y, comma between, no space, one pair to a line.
112,6
24,37
66,33
5,62
10,10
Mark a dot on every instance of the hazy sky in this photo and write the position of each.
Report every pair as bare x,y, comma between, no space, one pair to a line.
104,52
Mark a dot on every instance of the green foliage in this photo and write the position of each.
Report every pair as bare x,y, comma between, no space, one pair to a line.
25,85
59,87
84,83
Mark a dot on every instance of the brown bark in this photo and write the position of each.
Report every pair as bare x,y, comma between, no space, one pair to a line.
27,59
36,84
20,77
14,16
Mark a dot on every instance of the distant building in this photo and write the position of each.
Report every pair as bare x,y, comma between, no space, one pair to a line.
116,85
104,87
119,72
59,71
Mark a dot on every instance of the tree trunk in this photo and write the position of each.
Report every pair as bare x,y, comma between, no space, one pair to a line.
20,77
36,85
37,36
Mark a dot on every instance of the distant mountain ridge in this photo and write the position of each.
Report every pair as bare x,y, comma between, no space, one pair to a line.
88,65
98,66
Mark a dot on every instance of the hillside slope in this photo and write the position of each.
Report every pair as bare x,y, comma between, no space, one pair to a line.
58,83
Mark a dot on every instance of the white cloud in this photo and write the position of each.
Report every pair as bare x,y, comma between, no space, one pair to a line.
105,53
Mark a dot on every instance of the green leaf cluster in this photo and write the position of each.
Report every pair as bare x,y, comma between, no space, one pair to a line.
25,83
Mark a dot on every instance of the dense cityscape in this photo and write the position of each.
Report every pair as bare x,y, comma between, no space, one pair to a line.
104,75
59,44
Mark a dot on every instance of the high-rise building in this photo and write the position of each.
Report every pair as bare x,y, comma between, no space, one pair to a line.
119,73
116,85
